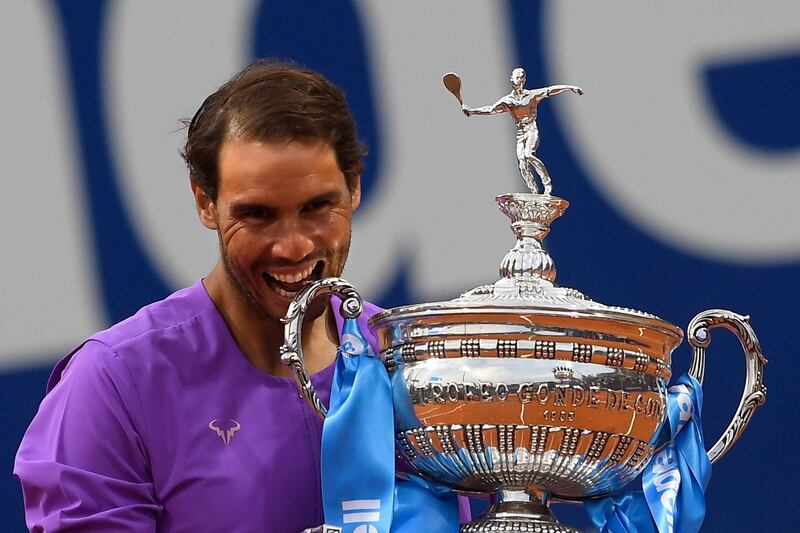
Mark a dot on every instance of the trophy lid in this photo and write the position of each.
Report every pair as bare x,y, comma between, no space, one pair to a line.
525,308
526,298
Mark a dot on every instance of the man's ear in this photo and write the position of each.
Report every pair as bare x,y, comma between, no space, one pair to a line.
206,208
355,193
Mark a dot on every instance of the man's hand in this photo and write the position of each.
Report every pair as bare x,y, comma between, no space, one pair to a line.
466,110
577,90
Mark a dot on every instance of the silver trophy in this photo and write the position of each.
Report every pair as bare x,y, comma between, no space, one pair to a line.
523,389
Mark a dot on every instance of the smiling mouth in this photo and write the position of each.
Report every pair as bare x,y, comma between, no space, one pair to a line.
288,285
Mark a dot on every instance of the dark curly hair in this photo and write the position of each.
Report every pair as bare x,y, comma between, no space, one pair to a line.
271,100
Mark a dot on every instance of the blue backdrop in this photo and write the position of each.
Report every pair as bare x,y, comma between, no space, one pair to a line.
599,247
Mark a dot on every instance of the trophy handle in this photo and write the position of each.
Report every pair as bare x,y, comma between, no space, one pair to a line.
755,393
292,351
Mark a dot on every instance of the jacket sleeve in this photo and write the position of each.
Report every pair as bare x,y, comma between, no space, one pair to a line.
83,462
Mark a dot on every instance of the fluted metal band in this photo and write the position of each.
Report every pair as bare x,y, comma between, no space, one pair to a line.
568,461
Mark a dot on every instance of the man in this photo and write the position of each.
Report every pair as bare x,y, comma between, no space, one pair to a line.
522,104
182,417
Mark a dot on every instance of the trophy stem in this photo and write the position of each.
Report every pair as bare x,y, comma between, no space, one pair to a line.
531,216
517,511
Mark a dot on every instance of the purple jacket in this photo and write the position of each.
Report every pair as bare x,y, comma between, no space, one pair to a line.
161,424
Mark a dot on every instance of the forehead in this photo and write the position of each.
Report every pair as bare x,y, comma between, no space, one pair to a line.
277,170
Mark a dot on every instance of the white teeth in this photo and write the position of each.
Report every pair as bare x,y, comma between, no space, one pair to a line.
293,278
285,294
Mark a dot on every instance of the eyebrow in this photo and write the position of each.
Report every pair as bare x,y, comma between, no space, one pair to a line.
245,207
326,196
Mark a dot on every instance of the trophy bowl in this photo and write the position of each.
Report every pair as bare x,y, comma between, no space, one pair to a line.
526,390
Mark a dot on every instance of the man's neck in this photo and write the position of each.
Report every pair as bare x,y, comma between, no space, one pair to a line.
259,338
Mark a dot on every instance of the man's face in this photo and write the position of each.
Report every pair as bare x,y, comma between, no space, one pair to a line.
283,215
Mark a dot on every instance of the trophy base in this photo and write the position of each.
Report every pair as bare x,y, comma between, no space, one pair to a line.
515,516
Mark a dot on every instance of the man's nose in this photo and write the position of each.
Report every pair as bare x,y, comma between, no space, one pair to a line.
292,242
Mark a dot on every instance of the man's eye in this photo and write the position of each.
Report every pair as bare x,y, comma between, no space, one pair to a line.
260,214
318,205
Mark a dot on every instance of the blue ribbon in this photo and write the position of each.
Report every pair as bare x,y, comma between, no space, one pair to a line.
673,482
359,489
421,505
